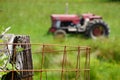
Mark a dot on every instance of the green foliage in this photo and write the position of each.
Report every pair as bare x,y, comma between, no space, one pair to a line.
19,48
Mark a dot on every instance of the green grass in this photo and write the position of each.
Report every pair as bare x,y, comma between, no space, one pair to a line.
101,70
28,17
32,17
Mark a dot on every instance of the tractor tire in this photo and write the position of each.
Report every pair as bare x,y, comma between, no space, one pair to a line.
23,58
97,28
60,34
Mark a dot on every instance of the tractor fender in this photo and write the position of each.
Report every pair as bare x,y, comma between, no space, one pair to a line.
91,16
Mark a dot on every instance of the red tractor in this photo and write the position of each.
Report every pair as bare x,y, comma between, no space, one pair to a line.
91,25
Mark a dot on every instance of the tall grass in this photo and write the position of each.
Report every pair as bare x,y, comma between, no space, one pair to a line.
102,70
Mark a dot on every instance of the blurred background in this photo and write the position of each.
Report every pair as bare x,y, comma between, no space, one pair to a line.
32,17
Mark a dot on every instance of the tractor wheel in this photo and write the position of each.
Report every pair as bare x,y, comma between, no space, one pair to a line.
22,56
97,28
60,34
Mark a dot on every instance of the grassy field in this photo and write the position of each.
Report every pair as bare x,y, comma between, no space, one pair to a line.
32,17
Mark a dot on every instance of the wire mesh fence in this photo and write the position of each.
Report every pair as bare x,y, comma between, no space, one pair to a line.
37,61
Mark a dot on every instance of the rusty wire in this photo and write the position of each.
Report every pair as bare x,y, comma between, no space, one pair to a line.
78,69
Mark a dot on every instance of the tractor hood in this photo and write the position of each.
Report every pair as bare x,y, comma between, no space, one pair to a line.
65,17
91,16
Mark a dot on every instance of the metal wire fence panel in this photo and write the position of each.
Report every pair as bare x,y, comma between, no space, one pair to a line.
37,61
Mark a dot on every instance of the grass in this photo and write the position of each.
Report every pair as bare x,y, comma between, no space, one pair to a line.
32,17
35,16
103,70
